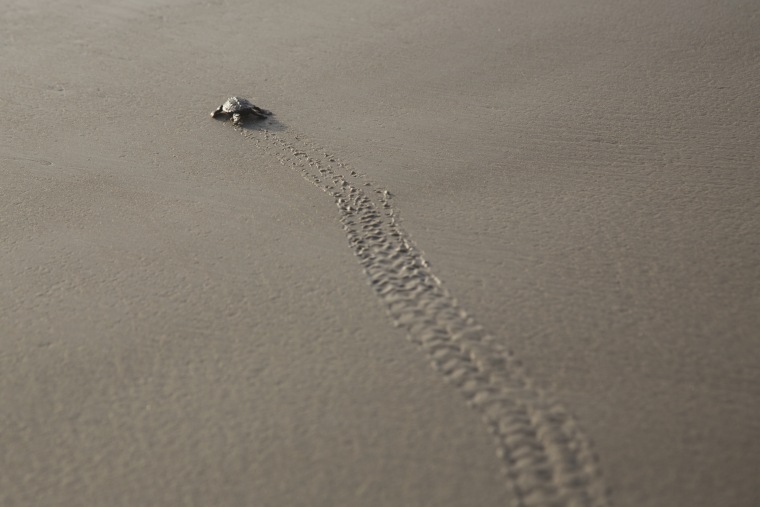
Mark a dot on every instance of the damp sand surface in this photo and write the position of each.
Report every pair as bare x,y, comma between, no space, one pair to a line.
552,204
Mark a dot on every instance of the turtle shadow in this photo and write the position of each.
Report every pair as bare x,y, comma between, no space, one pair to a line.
270,123
251,123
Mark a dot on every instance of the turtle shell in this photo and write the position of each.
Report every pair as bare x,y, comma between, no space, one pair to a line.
236,105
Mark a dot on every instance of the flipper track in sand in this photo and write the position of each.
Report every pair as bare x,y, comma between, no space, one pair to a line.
547,459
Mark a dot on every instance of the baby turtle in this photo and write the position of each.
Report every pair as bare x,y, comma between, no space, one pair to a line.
238,107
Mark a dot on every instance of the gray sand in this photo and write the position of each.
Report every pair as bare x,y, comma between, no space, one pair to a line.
193,314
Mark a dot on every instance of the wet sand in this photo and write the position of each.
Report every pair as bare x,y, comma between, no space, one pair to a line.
553,204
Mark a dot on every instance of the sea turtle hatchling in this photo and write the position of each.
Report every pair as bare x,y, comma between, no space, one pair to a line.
238,107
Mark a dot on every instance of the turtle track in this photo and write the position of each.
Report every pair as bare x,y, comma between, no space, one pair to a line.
546,458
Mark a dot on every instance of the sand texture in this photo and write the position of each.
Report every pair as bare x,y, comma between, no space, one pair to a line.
484,253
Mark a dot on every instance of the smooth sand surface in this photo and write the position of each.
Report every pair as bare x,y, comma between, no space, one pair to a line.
187,318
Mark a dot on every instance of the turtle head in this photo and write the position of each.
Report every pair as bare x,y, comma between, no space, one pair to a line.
217,112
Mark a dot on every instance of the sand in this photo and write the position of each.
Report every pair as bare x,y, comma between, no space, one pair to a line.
553,204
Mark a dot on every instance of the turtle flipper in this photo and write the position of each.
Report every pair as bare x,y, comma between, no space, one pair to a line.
260,112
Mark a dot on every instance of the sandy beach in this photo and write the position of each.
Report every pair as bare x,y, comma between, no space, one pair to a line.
492,253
